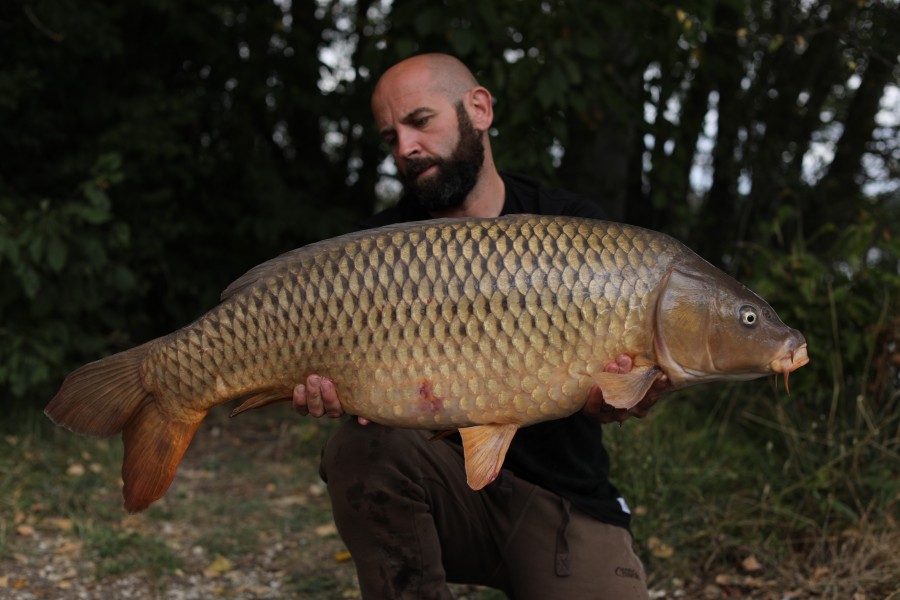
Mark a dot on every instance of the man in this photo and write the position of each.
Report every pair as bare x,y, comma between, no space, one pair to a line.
551,525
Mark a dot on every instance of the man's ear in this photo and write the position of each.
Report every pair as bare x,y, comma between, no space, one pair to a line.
481,108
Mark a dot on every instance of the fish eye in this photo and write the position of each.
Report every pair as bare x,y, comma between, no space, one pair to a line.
749,316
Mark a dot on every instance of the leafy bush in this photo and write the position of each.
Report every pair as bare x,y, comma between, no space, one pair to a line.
65,288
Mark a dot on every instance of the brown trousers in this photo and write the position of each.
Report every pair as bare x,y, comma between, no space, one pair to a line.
402,506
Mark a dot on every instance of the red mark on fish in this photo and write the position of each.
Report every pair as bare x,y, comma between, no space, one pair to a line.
429,400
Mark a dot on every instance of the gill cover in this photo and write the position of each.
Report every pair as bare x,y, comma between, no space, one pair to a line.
710,327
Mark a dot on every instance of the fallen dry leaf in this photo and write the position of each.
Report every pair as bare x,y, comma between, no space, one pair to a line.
724,580
295,500
326,530
753,582
821,572
76,470
4,581
62,524
342,556
660,549
69,548
218,566
25,530
751,564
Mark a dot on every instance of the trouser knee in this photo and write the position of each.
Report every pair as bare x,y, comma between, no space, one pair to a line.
370,452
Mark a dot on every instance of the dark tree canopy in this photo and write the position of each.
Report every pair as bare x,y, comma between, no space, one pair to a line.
152,151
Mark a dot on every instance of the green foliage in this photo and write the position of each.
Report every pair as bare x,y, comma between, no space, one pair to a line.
54,251
841,427
841,287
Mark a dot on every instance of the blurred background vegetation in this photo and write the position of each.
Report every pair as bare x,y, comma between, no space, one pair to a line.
151,151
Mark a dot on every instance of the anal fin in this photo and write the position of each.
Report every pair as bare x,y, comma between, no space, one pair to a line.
625,390
484,448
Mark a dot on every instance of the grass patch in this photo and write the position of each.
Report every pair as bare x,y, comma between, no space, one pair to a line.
717,479
303,585
121,552
231,531
247,491
45,472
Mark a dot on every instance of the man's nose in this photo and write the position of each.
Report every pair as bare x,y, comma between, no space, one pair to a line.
408,145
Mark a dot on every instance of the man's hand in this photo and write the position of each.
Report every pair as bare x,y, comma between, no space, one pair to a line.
600,411
318,398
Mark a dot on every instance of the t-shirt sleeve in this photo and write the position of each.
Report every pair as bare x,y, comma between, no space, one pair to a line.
572,205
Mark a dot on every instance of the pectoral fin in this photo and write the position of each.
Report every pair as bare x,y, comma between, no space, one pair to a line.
625,390
484,448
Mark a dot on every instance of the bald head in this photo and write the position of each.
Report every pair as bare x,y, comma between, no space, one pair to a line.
440,74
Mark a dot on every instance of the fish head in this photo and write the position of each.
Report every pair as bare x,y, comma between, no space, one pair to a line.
709,327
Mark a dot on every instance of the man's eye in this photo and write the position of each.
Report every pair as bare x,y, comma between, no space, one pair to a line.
421,122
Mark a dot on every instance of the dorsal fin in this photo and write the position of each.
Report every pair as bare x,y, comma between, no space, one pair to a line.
263,271
276,265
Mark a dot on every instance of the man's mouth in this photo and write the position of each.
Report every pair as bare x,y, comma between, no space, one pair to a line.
427,171
416,170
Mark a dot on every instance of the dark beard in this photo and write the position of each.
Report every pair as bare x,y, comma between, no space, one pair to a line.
455,177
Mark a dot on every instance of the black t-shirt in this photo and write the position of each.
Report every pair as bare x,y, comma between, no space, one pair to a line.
565,456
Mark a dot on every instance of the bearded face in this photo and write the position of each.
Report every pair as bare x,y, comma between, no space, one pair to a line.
455,176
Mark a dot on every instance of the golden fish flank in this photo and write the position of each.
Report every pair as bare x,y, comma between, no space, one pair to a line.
481,324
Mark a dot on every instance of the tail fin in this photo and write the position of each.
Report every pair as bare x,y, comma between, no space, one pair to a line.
99,398
108,396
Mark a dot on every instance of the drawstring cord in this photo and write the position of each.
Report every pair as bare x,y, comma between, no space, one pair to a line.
563,565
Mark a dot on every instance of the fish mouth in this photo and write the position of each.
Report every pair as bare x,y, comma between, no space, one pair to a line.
789,362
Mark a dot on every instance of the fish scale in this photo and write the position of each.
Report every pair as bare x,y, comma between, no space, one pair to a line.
485,325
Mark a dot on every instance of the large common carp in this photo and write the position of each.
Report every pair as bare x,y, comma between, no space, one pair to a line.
485,325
